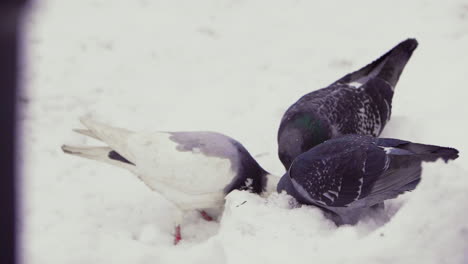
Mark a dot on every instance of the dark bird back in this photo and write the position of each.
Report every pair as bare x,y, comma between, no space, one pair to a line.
358,103
352,173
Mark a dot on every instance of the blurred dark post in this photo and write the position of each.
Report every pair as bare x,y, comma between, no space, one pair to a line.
10,15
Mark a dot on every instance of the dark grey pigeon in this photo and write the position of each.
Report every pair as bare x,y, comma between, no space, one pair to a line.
345,176
193,170
358,103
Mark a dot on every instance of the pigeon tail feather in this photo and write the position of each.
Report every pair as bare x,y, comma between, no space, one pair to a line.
432,153
388,67
116,138
103,154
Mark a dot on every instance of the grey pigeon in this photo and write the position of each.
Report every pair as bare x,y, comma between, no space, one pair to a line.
193,170
358,103
345,176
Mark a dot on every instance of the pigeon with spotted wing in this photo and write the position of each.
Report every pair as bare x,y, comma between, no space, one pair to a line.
358,103
193,170
345,176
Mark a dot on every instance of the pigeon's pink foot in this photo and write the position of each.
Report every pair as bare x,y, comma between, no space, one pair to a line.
206,216
177,235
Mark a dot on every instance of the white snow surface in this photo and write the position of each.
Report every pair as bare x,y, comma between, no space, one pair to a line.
232,67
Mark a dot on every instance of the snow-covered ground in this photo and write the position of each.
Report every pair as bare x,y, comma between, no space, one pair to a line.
232,66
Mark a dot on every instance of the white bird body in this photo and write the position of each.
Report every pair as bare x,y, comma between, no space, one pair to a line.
193,170
189,179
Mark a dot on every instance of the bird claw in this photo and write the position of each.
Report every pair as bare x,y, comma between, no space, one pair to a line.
177,235
205,216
